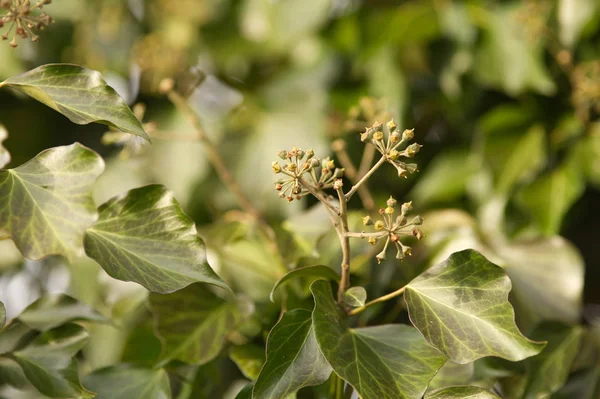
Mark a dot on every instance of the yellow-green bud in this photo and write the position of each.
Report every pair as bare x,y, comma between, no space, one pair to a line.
314,163
395,137
372,240
309,154
380,257
391,202
389,210
412,149
378,127
337,184
300,154
330,164
379,225
367,221
339,172
292,167
406,207
394,154
392,125
408,134
283,154
276,167
417,220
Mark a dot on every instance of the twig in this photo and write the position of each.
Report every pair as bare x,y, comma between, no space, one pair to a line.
345,240
365,178
215,158
384,298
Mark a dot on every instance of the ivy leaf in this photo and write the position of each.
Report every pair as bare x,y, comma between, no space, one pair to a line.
355,296
46,204
15,336
2,316
49,365
197,331
294,359
549,371
313,272
4,154
122,382
462,392
78,93
145,237
389,361
249,358
53,310
461,307
246,392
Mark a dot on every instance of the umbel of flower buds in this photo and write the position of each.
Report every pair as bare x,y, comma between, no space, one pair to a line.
22,20
392,229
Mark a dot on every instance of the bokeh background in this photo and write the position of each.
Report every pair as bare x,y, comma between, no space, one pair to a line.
504,96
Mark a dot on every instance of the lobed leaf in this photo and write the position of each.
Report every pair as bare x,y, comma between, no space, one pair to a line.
46,204
54,310
389,361
2,316
461,307
249,358
121,382
196,332
145,237
294,359
314,272
355,296
78,93
4,154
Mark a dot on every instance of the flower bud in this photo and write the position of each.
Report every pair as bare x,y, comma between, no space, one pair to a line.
283,154
408,134
401,220
309,154
417,220
296,190
339,172
412,149
292,167
372,240
412,167
315,163
378,127
367,221
276,167
395,137
391,202
300,154
406,207
379,225
417,233
392,126
278,187
337,184
394,154
395,237
399,254
330,164
380,257
389,210
378,136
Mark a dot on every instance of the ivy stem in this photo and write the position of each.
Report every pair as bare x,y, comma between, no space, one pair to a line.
318,195
384,298
339,147
365,178
345,240
215,158
377,234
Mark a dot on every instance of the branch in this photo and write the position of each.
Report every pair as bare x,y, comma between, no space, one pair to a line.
377,234
318,195
384,298
215,158
339,147
345,240
365,178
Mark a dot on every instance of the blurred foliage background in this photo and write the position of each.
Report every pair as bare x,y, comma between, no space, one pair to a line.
504,96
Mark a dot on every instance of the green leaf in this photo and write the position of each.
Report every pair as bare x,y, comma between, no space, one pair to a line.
549,371
145,237
49,365
246,392
249,358
461,392
355,296
293,358
46,204
389,361
452,374
12,374
79,94
573,15
312,272
121,382
53,310
4,154
564,186
197,331
15,336
2,316
461,307
525,161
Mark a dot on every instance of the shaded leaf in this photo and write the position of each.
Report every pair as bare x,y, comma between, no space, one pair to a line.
389,361
355,296
197,331
452,374
461,392
246,392
2,316
46,203
461,307
15,336
145,237
122,382
293,358
313,272
79,94
549,371
4,154
55,309
49,365
249,358
12,374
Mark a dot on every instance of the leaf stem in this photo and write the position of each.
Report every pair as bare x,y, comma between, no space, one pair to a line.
365,178
215,158
318,195
345,241
377,234
384,298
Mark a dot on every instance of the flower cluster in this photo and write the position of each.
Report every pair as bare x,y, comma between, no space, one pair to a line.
302,169
20,16
392,228
388,142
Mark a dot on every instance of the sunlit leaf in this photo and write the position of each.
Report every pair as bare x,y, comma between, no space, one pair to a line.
388,361
53,310
461,392
79,94
49,365
197,331
312,272
355,296
293,358
461,307
145,237
122,382
549,371
46,204
249,358
573,15
4,154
